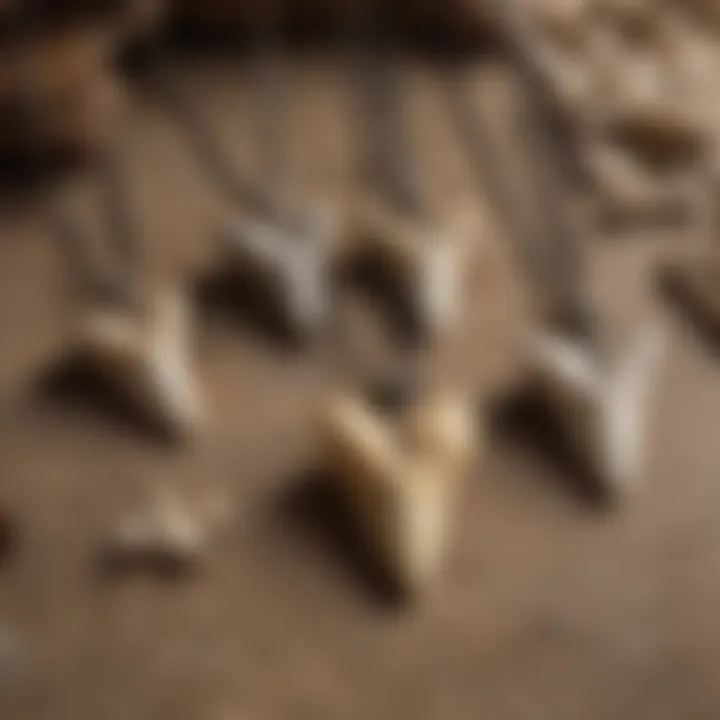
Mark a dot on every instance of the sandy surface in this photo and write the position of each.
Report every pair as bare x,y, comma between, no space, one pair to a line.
550,606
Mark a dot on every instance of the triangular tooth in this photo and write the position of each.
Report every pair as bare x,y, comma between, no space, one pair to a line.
295,261
602,409
425,257
165,530
147,360
401,492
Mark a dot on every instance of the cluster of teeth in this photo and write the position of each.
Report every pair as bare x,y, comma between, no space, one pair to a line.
426,259
401,476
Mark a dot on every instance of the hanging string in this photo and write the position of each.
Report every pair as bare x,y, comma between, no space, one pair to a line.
551,249
183,106
375,35
266,193
270,94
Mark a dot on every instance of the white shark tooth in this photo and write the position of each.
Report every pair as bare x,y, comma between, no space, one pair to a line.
148,359
603,409
296,260
428,259
400,480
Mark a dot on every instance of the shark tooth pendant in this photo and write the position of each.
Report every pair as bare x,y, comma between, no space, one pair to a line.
603,410
401,480
148,360
295,261
427,261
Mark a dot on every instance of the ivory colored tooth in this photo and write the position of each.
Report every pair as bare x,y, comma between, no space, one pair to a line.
426,258
148,360
400,480
603,410
295,260
445,428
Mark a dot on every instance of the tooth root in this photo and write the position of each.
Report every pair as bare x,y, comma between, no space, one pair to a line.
401,482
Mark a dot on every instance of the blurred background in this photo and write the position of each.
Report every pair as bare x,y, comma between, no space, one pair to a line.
551,604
